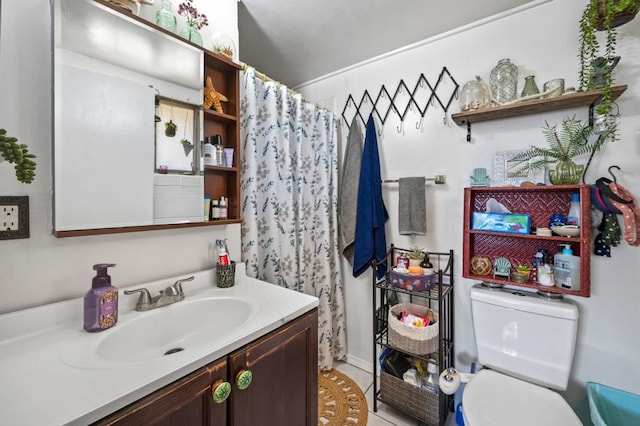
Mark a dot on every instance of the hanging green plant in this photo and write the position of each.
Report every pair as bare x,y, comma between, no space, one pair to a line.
187,146
170,128
18,153
595,66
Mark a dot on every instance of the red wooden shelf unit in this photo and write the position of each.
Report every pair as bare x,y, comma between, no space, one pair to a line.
540,202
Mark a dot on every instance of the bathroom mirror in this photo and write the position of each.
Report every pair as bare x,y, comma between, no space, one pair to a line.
110,70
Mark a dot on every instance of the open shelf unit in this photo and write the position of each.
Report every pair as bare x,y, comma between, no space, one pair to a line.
440,299
540,202
224,181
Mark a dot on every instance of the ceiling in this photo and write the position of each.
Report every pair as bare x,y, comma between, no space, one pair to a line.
295,41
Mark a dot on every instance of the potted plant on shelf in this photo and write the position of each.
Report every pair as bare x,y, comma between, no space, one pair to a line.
415,255
595,70
565,143
524,269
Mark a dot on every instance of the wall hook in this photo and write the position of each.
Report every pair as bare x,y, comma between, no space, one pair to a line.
400,128
419,122
611,173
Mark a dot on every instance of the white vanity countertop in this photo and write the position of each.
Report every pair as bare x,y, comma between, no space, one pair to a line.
40,386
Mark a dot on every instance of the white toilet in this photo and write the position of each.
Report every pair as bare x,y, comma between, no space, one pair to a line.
526,344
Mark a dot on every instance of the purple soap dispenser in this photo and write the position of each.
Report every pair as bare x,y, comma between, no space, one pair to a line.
101,302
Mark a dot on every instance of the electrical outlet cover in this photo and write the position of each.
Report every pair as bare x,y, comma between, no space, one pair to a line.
9,218
14,217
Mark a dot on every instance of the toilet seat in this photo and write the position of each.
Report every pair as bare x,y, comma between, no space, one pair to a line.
495,399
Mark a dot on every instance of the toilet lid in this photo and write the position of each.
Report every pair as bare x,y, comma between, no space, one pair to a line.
495,399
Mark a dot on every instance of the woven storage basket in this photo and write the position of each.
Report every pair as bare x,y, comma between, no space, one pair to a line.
225,274
420,403
412,282
419,341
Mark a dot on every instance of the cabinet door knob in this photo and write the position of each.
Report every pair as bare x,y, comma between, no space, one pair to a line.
220,391
243,379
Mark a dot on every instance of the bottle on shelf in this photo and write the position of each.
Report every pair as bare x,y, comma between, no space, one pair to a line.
431,382
545,271
165,18
573,218
402,261
223,208
207,207
215,210
218,151
208,153
567,269
427,266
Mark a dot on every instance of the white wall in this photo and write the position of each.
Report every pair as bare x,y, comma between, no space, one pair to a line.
43,269
541,40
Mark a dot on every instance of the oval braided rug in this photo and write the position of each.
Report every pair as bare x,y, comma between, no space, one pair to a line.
340,400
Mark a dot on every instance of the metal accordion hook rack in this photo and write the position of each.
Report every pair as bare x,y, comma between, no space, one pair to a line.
384,103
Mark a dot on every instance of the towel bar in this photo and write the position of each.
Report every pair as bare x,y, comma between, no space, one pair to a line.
437,179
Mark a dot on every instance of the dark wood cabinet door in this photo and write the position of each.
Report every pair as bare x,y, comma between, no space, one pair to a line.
284,387
186,402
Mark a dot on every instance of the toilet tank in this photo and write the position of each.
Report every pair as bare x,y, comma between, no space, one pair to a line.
524,335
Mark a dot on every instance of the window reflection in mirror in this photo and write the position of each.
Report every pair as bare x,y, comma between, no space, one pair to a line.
176,136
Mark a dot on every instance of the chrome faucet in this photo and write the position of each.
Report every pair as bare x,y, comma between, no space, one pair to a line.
169,295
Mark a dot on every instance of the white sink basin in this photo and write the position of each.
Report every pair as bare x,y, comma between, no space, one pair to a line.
162,332
173,328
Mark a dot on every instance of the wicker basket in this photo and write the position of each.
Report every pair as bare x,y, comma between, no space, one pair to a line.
419,341
420,403
225,274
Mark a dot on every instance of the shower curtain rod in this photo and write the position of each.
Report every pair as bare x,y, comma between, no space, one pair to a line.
265,77
437,179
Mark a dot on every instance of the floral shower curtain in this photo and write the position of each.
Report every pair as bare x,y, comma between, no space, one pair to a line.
289,198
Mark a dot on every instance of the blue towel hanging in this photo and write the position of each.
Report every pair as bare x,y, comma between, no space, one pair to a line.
370,240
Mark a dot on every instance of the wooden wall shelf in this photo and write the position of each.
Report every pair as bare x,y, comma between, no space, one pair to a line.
570,100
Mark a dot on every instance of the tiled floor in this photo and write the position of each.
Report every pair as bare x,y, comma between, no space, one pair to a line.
386,416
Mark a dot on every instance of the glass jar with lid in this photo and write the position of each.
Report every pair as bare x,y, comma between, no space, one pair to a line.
474,95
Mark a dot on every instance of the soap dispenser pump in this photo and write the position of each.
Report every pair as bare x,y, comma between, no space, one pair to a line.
101,302
567,269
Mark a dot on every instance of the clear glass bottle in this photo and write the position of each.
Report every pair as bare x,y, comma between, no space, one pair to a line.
165,18
218,151
530,86
504,81
191,33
